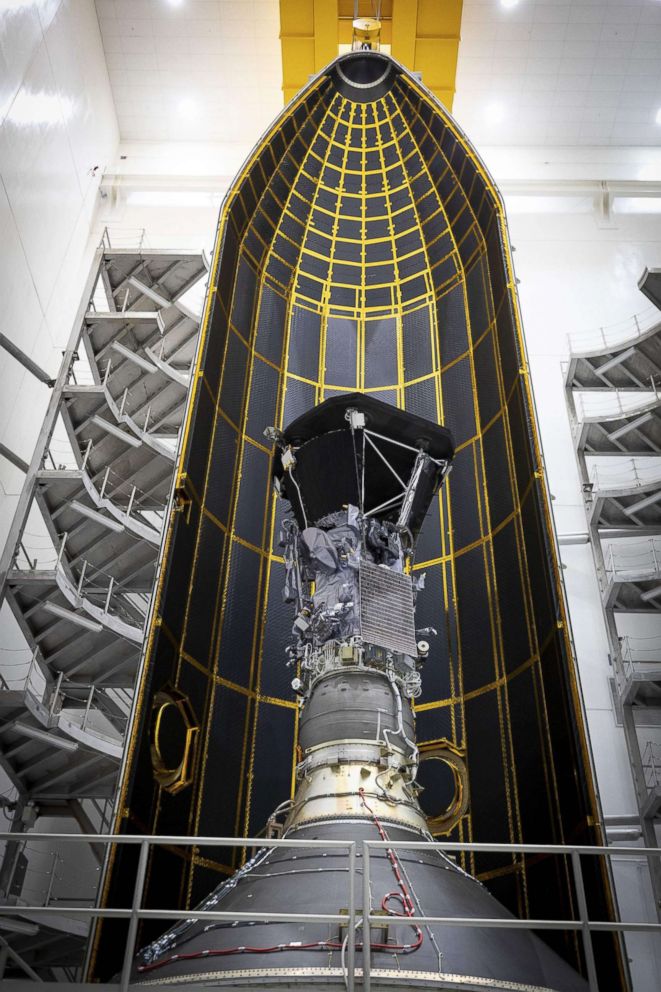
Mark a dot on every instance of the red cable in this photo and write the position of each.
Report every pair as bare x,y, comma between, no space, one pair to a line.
402,895
235,950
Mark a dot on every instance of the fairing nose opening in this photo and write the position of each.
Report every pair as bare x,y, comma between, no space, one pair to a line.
363,76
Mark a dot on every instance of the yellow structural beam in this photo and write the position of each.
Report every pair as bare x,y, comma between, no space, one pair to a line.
421,34
425,38
309,40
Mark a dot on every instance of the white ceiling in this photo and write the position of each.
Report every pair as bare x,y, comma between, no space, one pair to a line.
541,72
196,70
549,72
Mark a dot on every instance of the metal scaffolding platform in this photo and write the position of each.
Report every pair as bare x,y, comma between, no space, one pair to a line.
79,566
614,401
621,357
632,428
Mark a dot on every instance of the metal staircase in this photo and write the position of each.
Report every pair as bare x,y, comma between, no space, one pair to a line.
613,389
80,563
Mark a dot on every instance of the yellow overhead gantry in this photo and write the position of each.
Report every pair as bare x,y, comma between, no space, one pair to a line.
421,34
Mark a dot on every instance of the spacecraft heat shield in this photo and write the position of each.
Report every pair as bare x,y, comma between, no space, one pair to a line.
333,470
383,418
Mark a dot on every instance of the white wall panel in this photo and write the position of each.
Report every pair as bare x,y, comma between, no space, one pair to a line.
57,122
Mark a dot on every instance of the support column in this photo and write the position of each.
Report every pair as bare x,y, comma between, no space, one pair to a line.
12,851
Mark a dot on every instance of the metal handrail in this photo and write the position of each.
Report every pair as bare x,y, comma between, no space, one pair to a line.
633,654
652,765
639,559
613,336
617,403
123,237
627,473
135,913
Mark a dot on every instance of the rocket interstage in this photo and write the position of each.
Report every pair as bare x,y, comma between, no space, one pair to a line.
359,476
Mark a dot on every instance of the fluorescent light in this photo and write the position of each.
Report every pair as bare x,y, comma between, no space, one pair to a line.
98,518
43,735
651,594
494,112
175,3
508,4
173,198
518,204
658,116
75,618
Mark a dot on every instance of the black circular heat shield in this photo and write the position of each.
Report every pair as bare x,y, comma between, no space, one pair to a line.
329,459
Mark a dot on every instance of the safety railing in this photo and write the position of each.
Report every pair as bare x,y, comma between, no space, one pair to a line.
652,765
354,918
17,669
615,403
100,711
626,473
111,596
616,335
116,236
641,657
86,713
635,560
125,401
127,405
109,484
640,650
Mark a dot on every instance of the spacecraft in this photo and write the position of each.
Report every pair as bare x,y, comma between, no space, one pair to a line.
361,295
359,476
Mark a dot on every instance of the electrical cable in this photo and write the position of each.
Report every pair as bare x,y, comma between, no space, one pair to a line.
324,945
300,497
403,893
430,932
399,731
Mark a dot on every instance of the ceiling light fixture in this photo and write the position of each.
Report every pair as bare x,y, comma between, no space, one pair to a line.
658,116
42,735
508,4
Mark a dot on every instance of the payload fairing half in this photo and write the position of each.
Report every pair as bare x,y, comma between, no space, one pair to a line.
363,249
